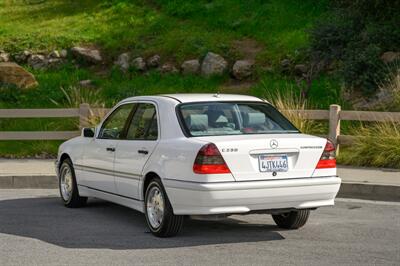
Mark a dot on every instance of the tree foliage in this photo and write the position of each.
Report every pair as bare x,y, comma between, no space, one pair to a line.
355,35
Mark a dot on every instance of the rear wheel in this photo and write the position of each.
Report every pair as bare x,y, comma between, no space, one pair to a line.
158,210
292,220
68,188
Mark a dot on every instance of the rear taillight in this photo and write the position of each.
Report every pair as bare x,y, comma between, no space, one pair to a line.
209,161
328,157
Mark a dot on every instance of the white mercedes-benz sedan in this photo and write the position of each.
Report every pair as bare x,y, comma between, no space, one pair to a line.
202,155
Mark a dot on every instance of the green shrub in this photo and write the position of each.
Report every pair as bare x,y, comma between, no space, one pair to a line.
356,33
377,145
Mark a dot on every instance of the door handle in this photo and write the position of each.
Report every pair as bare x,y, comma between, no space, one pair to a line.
112,149
143,151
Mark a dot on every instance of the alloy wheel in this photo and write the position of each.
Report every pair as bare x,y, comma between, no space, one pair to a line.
155,207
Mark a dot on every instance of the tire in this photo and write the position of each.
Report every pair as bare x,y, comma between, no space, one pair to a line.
292,220
68,188
161,223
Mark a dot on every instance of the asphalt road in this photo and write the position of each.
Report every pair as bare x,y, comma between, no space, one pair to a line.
35,229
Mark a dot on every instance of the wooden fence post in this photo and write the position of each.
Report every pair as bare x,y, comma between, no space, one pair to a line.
84,112
334,125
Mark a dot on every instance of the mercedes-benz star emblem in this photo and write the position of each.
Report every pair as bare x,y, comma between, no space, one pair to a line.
273,143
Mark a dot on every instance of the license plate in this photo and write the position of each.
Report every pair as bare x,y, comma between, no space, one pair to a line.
273,163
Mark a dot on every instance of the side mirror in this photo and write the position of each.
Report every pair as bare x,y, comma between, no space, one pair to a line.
88,132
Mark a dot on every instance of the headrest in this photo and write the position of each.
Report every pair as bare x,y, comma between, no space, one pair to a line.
254,119
198,122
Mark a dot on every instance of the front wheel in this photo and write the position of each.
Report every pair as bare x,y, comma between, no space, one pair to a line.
68,188
291,220
158,210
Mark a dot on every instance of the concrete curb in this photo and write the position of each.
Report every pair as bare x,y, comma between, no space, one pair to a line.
367,191
34,181
370,191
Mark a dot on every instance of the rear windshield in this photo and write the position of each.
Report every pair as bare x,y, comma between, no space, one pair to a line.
232,118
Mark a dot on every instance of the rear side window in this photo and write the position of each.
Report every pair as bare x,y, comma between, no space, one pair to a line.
232,118
144,124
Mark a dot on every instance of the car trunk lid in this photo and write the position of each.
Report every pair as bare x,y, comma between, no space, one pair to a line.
263,157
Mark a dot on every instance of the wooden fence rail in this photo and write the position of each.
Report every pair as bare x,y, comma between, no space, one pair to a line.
334,115
83,112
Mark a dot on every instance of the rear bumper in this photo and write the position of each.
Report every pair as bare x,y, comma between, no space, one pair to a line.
192,198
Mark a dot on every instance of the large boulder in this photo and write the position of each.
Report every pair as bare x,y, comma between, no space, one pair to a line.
54,63
389,57
88,55
23,56
242,69
154,61
38,61
190,66
63,53
12,73
139,64
54,54
169,68
123,61
213,64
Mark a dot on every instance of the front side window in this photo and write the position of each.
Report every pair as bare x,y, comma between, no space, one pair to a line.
144,123
232,118
114,125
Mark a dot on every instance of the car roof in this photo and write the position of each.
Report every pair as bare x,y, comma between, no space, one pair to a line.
209,97
199,97
195,97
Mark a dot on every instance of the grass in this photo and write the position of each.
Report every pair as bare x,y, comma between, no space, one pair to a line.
324,91
110,88
40,149
178,29
29,149
377,145
392,86
50,83
287,101
156,83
